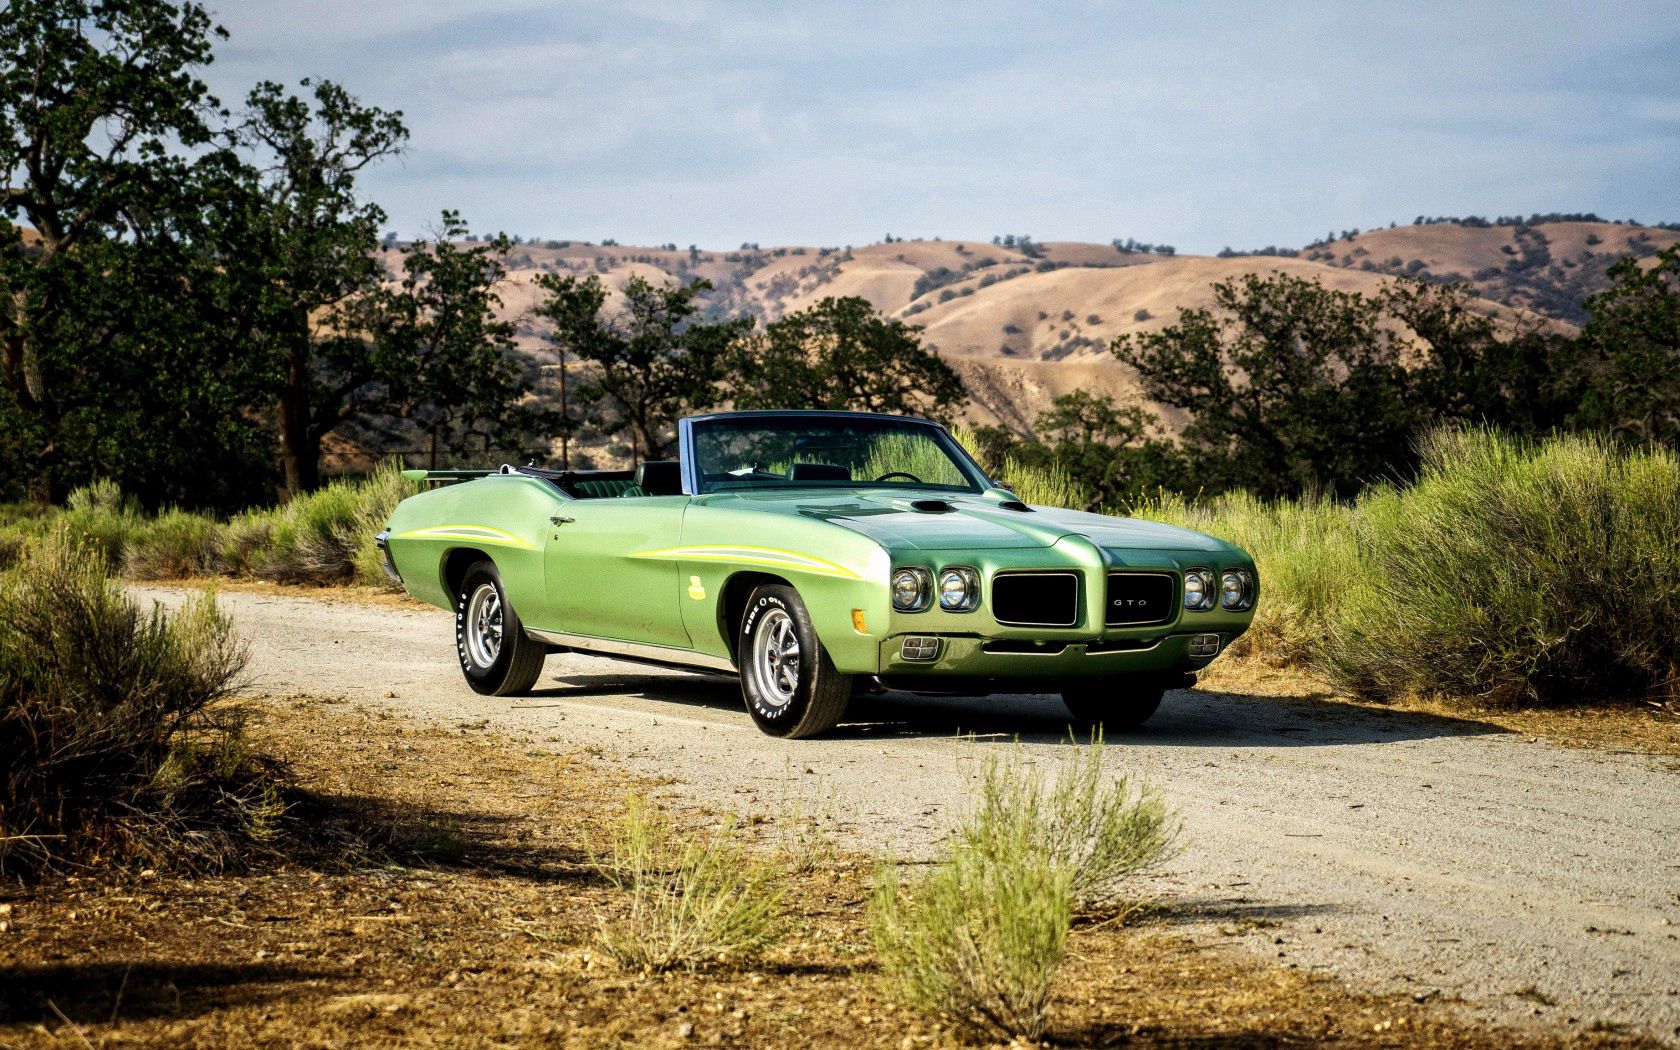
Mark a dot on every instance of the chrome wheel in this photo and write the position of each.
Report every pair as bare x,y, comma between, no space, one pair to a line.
776,657
484,625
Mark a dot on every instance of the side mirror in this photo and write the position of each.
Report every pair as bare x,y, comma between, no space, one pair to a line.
1002,484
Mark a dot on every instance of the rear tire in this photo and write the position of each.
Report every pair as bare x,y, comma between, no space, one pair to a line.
1114,703
496,657
788,682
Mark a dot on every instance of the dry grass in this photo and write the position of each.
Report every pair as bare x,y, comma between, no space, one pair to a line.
694,898
495,944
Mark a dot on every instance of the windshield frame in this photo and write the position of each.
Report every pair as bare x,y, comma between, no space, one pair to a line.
694,484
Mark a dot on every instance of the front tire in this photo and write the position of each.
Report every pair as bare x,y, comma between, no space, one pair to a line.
1114,703
788,682
496,657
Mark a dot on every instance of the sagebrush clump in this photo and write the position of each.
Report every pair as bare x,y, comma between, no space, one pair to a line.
109,747
694,899
978,939
1515,572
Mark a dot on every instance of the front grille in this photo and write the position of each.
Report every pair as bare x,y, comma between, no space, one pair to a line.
1036,599
1139,598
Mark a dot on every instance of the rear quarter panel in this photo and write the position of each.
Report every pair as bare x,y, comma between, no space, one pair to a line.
504,517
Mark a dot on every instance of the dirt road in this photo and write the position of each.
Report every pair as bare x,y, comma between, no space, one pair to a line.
1402,852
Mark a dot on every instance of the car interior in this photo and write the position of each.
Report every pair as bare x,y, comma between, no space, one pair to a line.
656,477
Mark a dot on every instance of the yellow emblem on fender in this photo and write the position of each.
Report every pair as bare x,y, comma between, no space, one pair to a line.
695,589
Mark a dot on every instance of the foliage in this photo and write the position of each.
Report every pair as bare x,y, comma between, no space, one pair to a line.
1096,829
1512,572
694,900
433,353
1289,385
1517,573
1630,361
324,537
1101,446
107,748
650,361
842,354
1039,484
979,938
117,311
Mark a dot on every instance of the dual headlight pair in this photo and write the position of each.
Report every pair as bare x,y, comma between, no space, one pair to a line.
913,589
1235,590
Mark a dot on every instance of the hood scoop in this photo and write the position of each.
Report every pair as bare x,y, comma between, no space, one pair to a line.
926,506
1015,505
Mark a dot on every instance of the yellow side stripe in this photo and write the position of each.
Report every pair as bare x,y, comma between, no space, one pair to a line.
481,533
767,556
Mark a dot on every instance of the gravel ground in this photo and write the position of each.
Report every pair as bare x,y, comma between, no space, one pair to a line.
1400,852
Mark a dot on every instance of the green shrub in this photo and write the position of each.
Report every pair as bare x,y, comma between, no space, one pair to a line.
244,543
106,745
101,496
326,536
1097,829
98,527
380,493
977,941
1516,572
979,938
174,545
693,899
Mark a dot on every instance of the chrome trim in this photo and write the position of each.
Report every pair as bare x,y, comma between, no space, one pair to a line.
659,654
1048,648
1034,572
1100,653
974,597
383,542
919,648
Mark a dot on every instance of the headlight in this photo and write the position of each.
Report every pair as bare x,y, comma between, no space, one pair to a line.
1198,589
910,589
1236,589
959,590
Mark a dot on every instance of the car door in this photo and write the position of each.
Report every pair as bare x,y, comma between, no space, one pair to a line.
605,574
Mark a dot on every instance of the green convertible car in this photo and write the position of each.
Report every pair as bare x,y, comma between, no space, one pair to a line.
817,554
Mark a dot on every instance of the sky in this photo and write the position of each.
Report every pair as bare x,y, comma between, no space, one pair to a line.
1198,124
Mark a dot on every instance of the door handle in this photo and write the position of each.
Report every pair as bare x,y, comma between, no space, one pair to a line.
561,519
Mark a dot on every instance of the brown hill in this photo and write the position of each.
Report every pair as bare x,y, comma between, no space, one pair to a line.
1549,267
1022,328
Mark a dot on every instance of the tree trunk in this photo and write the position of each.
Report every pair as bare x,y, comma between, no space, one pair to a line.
300,452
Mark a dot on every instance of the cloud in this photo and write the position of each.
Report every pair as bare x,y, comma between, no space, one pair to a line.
1199,123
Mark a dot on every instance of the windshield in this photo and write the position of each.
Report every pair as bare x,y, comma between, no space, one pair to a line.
757,452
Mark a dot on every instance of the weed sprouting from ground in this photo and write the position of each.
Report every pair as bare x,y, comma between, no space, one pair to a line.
694,899
1095,827
979,938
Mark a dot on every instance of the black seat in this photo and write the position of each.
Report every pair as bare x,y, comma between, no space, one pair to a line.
660,477
818,472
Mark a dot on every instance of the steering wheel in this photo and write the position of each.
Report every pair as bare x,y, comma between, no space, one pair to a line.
900,474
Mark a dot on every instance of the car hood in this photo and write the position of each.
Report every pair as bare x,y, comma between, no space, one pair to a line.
944,521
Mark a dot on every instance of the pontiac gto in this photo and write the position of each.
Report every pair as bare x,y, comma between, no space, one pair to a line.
815,554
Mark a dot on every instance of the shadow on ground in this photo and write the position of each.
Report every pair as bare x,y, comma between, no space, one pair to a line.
1187,718
97,992
340,832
